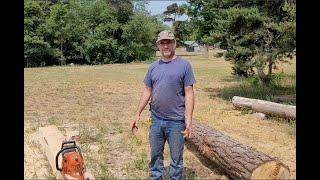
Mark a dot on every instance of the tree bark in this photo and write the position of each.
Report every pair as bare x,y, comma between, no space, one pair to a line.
236,160
270,67
263,78
266,107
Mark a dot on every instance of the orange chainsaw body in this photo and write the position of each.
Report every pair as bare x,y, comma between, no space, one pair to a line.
72,160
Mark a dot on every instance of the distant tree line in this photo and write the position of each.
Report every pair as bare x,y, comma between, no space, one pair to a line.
256,34
59,32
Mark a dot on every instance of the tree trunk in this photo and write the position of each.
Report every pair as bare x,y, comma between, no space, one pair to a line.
236,160
266,107
270,68
174,23
263,78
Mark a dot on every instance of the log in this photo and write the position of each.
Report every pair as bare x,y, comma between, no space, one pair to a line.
242,102
236,160
50,139
266,107
275,109
284,98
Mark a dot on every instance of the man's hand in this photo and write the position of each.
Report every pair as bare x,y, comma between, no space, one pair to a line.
188,130
134,124
189,95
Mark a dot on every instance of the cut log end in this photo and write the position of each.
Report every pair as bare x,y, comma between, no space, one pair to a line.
271,170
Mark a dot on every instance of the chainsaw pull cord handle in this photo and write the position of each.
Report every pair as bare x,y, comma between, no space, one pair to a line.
74,144
62,150
68,142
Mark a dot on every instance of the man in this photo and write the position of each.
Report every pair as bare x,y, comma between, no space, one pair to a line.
169,82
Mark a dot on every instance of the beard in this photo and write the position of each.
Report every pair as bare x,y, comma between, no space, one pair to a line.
168,54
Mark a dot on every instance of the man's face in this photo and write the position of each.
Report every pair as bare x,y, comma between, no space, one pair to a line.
167,47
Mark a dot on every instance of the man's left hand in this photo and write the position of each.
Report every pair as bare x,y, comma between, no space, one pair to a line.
187,131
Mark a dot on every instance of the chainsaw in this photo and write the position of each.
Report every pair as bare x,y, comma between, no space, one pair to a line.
72,160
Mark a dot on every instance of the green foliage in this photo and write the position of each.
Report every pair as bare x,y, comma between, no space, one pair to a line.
256,34
183,31
88,32
140,34
242,69
76,33
55,30
37,52
100,47
251,88
275,80
170,15
122,10
33,17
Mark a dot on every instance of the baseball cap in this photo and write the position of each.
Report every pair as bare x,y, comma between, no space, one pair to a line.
165,35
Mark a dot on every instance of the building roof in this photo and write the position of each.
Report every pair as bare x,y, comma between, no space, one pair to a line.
190,43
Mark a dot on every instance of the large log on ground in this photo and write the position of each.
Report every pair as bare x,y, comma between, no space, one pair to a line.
236,160
267,107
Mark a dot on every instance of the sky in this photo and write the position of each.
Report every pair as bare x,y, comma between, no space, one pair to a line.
159,6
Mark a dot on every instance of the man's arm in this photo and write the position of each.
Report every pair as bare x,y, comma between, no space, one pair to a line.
144,99
189,103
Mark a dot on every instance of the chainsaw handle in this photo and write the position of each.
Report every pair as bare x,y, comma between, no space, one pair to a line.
62,150
68,142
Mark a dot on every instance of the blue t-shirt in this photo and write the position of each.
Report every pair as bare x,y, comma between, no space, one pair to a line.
167,80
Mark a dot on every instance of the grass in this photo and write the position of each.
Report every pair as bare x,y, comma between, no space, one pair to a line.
50,175
117,127
250,88
101,102
31,129
105,173
292,128
89,135
142,162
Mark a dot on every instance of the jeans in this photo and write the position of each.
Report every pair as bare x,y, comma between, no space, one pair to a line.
163,130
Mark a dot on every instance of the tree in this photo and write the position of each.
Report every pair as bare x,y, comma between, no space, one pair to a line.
123,9
256,34
54,29
140,6
171,13
76,33
183,31
37,52
87,32
101,46
140,34
204,17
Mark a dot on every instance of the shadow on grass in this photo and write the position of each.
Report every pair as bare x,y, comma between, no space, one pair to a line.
187,173
230,79
215,168
279,94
